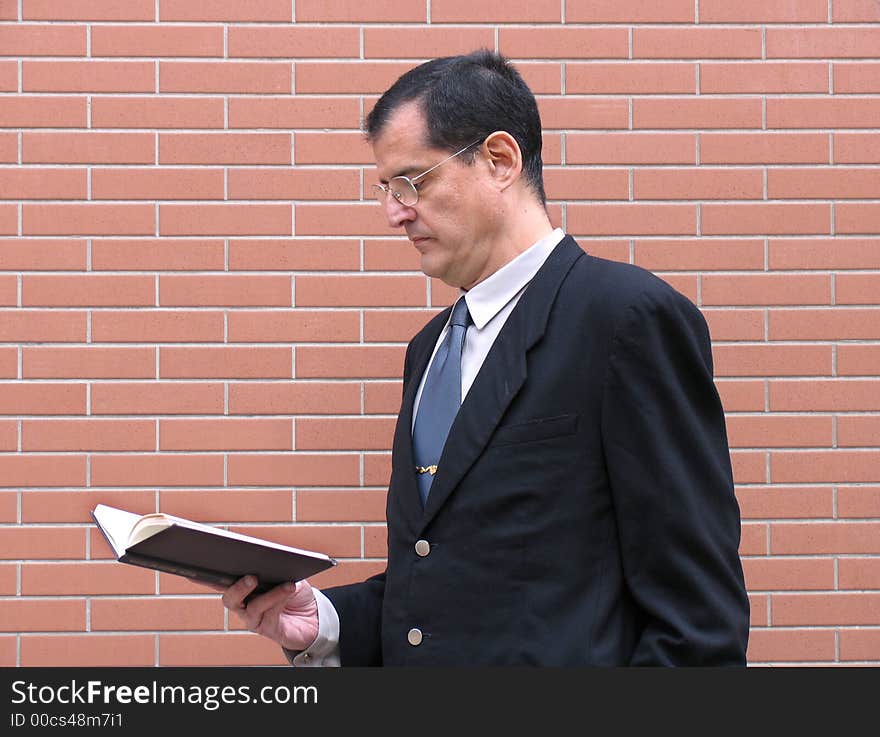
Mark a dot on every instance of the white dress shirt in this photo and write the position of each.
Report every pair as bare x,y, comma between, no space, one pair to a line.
490,303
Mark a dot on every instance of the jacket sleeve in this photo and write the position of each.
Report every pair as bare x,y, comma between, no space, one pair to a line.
668,460
359,606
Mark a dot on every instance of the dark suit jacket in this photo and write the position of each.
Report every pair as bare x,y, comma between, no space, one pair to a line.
583,512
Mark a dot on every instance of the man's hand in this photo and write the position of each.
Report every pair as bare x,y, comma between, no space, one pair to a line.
288,614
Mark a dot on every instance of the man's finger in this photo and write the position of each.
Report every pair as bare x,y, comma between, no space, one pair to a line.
234,596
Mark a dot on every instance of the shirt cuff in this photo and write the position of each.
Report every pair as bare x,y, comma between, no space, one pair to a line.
324,651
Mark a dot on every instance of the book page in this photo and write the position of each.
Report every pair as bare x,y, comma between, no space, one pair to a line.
116,524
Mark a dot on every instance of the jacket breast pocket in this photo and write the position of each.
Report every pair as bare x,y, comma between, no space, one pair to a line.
542,428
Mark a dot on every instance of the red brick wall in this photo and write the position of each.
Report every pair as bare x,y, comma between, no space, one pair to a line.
199,313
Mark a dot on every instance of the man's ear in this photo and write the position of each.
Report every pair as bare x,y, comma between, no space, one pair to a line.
504,157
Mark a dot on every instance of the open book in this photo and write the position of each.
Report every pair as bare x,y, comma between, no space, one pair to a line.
202,552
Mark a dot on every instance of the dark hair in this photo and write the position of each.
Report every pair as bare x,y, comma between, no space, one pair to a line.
466,98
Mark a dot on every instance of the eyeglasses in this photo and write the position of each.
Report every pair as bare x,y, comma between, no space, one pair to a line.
404,189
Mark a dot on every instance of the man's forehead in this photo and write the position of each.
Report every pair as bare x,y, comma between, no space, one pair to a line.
401,145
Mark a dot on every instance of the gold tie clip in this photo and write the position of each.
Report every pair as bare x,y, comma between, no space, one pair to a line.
426,469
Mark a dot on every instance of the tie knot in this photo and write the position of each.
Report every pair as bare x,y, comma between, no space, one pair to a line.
460,314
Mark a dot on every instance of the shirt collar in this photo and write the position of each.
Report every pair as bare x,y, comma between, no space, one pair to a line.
486,299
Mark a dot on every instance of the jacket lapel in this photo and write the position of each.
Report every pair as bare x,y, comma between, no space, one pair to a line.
497,383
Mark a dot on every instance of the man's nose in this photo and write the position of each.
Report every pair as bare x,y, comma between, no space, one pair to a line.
397,213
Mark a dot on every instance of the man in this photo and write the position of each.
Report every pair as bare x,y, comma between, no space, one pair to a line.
580,510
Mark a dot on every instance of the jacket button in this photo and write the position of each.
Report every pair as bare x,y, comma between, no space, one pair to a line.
423,547
414,636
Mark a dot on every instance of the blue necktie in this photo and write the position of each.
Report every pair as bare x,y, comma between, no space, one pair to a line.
441,398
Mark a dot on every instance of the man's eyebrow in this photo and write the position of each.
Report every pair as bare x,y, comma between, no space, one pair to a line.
406,172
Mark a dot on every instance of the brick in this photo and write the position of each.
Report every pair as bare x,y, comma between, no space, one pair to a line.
261,11
748,467
822,43
9,148
855,11
298,397
43,184
382,397
8,219
822,112
824,609
232,649
216,362
92,290
177,326
224,148
786,77
390,254
360,291
156,112
859,644
857,289
571,183
339,541
42,398
856,78
394,326
486,11
226,434
785,502
347,572
350,219
630,148
837,253
779,431
859,501
240,290
279,254
293,469
699,183
376,541
772,360
347,77
225,219
88,76
632,219
857,360
225,76
700,254
764,148
753,540
293,184
43,40
764,11
857,218
159,469
157,254
93,362
346,505
583,113
824,183
292,42
857,431
376,362
775,574
26,326
542,78
825,466
41,543
377,469
62,506
630,77
84,579
354,11
696,43
8,441
758,610
859,573
830,324
9,579
829,395
824,537
9,362
331,148
157,398
613,250
695,113
407,43
766,289
225,505
558,42
34,111
88,650
294,326
88,148
634,11
294,112
47,616
88,219
8,76
741,396
735,324
361,433
87,435
781,646
769,218
155,614
166,183
156,40
97,10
